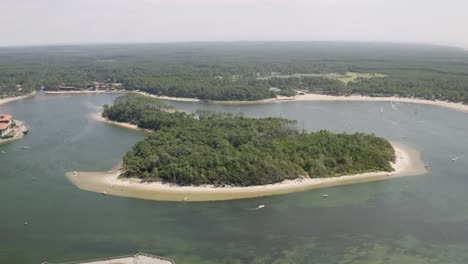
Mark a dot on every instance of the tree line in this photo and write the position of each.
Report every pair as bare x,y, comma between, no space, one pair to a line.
225,149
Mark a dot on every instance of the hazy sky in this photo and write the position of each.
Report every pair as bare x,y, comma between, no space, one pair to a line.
27,22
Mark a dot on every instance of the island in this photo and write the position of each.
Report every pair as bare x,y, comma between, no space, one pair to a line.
210,156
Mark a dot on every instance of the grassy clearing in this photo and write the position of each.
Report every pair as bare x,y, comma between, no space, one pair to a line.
343,77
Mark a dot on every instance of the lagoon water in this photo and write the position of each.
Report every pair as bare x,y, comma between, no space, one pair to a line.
421,219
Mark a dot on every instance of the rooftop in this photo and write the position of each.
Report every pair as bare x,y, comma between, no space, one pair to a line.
5,117
3,126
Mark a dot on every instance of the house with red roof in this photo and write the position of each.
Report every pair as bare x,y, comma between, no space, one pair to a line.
5,124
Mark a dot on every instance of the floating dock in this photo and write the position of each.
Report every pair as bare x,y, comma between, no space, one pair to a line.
140,258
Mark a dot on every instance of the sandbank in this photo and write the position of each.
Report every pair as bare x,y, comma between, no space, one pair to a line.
408,163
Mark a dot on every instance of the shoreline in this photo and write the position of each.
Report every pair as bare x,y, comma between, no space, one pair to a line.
98,117
408,163
88,92
16,98
310,97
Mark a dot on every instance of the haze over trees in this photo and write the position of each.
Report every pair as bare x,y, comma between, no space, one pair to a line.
242,71
225,149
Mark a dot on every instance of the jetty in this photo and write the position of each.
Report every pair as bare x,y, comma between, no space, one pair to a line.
139,258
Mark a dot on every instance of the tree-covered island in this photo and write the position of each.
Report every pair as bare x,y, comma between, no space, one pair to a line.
225,149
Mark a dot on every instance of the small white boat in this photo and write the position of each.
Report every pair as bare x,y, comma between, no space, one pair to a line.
185,199
457,158
104,193
325,195
389,174
26,223
24,147
111,171
261,206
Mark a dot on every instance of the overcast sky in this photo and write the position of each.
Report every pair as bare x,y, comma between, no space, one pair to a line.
32,22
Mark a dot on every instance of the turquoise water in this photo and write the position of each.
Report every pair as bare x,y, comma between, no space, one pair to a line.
421,219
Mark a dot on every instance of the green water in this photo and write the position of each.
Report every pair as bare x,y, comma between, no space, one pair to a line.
421,219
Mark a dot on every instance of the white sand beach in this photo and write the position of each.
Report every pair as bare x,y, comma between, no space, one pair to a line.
298,98
408,163
98,117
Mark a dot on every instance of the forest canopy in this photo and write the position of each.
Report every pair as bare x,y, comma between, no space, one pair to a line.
225,149
241,70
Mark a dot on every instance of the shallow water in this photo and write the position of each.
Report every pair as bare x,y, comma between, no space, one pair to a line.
421,219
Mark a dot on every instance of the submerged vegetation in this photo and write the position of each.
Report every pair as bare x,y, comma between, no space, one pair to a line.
225,149
242,71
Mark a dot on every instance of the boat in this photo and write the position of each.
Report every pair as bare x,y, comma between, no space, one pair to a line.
26,223
104,193
325,195
3,152
185,199
25,131
457,158
24,147
261,206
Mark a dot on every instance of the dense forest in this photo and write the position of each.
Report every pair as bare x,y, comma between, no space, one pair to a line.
224,149
240,71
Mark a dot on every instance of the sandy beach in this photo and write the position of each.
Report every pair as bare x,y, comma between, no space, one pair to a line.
408,163
89,92
16,98
326,98
298,98
98,117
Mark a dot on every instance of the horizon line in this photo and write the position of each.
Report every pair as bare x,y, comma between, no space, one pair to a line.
227,41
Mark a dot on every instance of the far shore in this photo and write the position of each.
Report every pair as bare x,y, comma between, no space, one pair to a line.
408,163
16,98
89,92
310,97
